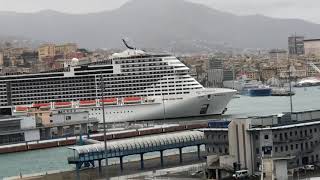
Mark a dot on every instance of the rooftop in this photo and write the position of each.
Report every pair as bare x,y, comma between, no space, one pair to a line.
8,118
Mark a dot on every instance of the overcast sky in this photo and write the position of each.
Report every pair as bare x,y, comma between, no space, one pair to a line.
302,9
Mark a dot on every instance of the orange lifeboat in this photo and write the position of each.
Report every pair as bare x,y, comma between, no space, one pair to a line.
87,103
62,104
131,100
41,105
109,101
21,109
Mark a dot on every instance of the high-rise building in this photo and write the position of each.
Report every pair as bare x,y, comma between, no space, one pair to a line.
215,72
296,45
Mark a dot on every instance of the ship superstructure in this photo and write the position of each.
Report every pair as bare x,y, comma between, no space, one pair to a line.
137,86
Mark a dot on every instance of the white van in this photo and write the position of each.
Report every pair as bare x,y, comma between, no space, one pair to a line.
309,167
241,174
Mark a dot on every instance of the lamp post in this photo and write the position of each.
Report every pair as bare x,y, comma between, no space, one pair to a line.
104,126
290,88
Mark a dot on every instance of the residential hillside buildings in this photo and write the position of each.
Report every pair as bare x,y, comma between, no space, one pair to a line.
46,50
278,55
51,50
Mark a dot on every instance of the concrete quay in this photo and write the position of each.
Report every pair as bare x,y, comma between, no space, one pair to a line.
130,169
66,141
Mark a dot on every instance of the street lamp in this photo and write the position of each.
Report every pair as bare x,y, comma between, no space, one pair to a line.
104,126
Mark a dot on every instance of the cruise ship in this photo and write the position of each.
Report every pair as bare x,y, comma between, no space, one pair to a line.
136,86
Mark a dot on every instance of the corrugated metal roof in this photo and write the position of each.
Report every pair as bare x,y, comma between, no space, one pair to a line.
141,142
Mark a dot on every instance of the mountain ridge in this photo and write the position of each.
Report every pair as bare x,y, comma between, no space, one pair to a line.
172,25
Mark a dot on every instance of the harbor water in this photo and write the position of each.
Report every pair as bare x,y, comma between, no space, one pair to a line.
55,159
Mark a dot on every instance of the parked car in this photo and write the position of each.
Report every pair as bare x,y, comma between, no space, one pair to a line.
309,167
241,174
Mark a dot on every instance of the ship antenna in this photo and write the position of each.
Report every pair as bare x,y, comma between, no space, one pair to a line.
126,44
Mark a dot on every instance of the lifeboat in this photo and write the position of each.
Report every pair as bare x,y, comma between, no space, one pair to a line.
21,109
87,102
62,104
132,100
109,101
41,105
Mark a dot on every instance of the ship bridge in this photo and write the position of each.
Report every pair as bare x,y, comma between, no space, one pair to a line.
88,154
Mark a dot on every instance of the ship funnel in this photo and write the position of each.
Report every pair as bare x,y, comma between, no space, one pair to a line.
126,44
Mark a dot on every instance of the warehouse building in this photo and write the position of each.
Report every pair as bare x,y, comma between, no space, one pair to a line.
18,129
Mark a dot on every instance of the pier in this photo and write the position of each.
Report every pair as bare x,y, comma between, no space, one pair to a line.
89,154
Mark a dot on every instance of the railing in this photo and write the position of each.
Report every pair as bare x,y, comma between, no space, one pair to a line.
292,139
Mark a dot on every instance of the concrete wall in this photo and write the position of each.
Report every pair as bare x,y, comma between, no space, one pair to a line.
71,117
240,143
32,135
275,169
281,170
28,122
227,161
268,169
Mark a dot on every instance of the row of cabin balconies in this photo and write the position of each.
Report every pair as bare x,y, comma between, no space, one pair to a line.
138,60
30,86
148,64
114,88
50,87
51,83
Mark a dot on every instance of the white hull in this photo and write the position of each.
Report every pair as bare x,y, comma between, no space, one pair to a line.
174,106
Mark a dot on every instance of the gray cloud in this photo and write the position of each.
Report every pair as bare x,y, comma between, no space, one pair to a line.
67,6
301,9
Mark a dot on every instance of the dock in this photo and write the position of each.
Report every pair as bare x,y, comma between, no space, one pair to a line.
67,141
